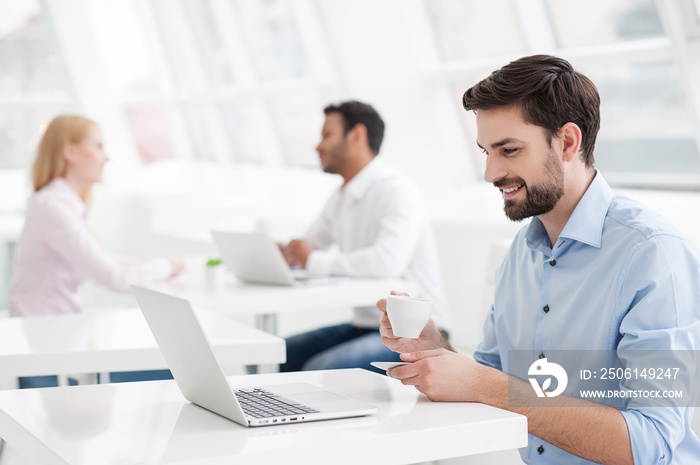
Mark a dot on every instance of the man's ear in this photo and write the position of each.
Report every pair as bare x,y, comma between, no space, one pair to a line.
358,135
570,138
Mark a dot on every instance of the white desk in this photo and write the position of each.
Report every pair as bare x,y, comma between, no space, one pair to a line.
118,341
233,297
151,423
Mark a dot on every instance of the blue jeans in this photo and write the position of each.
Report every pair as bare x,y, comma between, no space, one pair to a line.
333,347
130,376
28,382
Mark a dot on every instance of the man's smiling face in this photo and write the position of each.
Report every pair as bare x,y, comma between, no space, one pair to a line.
520,162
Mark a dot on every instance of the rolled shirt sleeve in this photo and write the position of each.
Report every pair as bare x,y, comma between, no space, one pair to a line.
662,285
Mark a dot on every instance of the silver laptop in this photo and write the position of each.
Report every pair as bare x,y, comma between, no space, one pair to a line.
255,258
202,381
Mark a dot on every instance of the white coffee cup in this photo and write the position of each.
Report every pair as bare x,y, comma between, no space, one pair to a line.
408,315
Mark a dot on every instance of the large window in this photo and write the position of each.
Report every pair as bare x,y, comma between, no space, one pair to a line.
649,129
231,81
465,28
33,82
223,81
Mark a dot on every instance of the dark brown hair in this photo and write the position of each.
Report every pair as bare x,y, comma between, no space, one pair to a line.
549,93
355,113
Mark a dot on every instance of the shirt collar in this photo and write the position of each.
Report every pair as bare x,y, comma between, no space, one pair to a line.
362,181
60,187
586,222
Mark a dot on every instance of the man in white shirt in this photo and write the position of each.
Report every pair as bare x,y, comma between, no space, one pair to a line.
380,229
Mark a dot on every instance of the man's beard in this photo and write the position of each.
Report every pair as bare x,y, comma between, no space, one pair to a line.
539,199
337,158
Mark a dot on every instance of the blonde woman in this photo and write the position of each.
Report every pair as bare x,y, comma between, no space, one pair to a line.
56,251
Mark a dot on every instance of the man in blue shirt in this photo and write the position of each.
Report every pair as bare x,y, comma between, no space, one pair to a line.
592,274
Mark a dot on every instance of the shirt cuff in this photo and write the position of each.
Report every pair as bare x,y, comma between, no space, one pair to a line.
648,445
319,263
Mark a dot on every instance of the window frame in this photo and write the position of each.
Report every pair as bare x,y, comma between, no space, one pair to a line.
680,45
250,91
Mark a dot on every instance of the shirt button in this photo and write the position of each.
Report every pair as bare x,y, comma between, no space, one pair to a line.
541,354
546,309
540,450
552,262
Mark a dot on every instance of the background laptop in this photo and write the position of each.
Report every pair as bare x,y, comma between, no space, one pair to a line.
254,257
202,381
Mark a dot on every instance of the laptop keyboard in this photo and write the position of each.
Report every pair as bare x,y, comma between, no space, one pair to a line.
259,403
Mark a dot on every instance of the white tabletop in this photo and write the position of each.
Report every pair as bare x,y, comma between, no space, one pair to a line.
151,423
118,341
235,297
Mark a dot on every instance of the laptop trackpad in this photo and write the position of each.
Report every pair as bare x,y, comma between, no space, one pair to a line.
317,396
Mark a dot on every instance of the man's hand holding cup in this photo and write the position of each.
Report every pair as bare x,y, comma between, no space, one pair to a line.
405,325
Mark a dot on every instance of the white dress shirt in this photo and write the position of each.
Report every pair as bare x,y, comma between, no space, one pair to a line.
380,227
56,253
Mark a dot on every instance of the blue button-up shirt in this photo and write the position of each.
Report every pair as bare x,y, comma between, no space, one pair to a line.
619,277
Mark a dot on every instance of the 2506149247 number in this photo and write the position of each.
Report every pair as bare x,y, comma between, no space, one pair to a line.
639,373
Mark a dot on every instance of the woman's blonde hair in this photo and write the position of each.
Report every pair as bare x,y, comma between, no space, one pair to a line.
50,162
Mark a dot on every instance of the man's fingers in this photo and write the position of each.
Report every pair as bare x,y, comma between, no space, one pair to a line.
399,293
422,354
386,332
384,321
403,372
381,303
